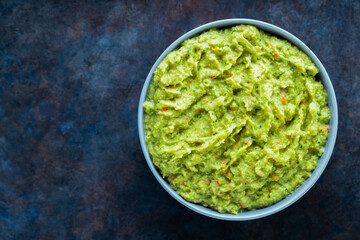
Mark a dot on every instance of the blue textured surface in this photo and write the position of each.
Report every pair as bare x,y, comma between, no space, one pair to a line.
71,166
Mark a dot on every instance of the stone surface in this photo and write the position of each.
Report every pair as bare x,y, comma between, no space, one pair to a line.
71,166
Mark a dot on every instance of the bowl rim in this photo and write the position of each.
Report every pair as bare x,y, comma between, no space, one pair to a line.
322,162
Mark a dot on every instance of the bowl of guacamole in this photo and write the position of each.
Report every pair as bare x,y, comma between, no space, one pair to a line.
237,119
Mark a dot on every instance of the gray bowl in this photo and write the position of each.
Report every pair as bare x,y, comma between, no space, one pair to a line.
323,161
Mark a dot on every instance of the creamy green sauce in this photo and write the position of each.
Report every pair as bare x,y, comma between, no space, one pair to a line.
236,119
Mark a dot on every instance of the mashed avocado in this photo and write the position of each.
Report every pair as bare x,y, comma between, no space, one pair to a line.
236,119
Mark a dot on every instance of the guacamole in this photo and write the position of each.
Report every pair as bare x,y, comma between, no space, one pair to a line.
236,119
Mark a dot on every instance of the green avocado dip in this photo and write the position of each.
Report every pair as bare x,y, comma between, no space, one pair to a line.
236,119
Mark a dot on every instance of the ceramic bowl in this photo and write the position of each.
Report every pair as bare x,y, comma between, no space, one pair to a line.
323,161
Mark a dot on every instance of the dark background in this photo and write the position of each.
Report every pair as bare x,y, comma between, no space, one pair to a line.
71,166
